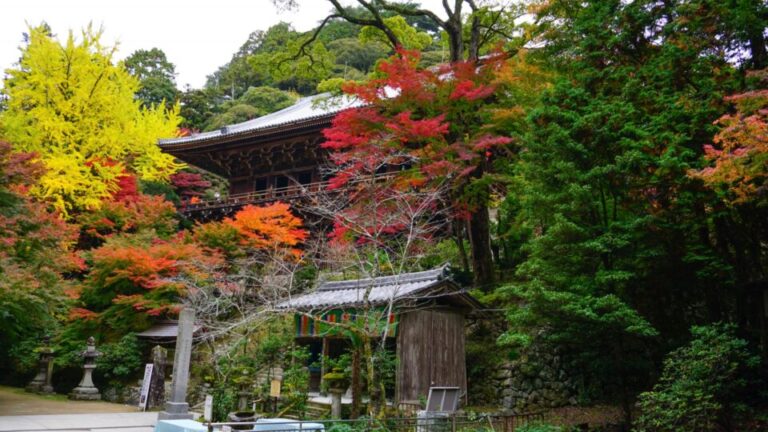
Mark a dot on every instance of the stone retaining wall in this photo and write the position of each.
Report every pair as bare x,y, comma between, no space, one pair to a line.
534,381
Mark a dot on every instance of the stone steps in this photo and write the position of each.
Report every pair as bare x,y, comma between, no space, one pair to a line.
314,410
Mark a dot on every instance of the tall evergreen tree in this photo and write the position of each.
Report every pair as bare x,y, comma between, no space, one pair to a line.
627,244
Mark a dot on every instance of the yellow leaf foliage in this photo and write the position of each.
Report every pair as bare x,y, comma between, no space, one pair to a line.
71,105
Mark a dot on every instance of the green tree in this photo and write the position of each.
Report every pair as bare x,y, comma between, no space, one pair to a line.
70,104
295,64
235,77
197,107
157,77
236,113
466,25
625,243
409,37
350,52
255,102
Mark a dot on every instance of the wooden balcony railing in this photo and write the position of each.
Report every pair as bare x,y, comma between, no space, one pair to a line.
288,193
257,197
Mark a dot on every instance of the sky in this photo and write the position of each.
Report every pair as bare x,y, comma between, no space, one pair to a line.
197,36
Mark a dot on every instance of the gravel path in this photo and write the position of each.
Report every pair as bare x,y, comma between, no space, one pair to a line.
15,401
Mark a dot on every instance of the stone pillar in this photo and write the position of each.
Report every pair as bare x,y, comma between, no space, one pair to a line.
177,407
48,386
157,387
42,381
336,402
86,390
242,400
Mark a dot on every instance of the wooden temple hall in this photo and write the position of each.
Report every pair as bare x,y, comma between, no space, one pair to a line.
273,157
425,329
278,157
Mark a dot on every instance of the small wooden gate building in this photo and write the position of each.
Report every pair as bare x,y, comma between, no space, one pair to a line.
425,324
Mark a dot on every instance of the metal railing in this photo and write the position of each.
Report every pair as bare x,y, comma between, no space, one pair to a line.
432,422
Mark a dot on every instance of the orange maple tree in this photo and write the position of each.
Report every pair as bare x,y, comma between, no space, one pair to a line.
142,266
739,153
270,226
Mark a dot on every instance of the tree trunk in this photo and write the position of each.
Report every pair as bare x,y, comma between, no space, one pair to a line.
757,47
458,237
374,396
474,40
356,387
480,240
455,41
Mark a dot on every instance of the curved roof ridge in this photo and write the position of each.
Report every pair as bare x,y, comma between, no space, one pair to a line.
435,274
305,109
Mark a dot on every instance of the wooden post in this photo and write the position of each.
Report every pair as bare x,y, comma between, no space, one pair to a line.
323,355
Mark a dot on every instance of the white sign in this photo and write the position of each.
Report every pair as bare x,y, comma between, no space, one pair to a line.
208,409
145,386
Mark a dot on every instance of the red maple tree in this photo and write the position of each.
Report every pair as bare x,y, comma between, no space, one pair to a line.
426,127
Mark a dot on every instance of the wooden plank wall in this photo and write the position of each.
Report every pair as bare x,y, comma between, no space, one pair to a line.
430,353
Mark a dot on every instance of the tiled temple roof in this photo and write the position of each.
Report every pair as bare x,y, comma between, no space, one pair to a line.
418,286
305,112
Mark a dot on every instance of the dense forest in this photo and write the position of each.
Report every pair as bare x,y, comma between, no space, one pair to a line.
600,169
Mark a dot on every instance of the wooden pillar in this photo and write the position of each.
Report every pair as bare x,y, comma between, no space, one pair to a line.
323,355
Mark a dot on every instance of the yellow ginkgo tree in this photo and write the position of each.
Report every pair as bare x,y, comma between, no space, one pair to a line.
69,103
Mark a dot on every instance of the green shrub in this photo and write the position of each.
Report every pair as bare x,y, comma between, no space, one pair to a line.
121,360
704,386
538,427
340,427
224,401
296,380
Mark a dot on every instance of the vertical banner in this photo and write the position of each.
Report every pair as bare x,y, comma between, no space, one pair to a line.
208,408
144,395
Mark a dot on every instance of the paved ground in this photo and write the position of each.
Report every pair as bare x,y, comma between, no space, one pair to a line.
20,411
101,422
98,422
15,401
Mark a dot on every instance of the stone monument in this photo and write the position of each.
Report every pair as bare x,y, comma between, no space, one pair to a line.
86,390
42,381
177,406
157,387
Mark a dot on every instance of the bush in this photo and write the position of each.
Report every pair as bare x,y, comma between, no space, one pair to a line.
705,385
340,427
538,427
296,380
121,360
224,402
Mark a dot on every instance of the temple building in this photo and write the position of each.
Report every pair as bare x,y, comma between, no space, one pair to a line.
279,157
273,157
423,317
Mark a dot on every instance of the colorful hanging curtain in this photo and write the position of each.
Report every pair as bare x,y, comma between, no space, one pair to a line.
336,322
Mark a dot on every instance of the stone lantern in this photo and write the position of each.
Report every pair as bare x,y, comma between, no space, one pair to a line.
42,381
86,390
337,385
